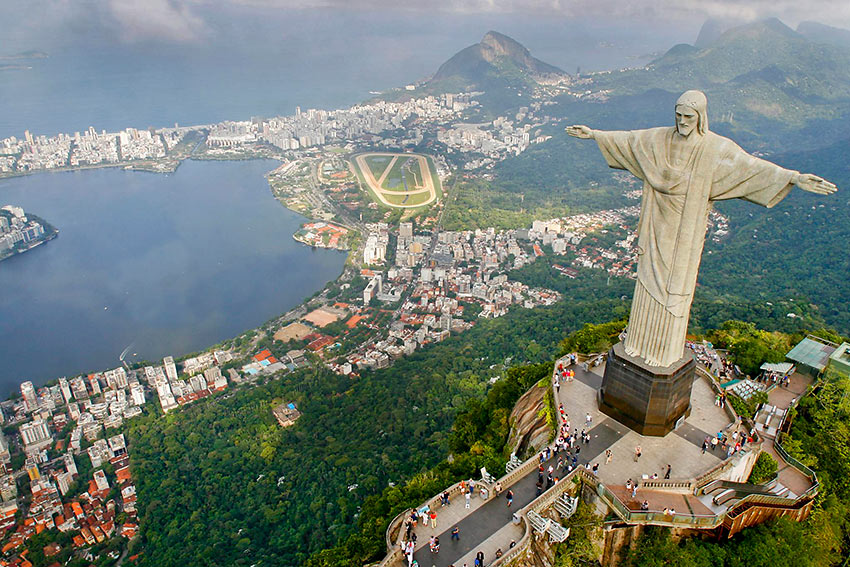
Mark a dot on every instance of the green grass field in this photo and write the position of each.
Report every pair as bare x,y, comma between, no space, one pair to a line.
393,182
393,193
415,199
377,164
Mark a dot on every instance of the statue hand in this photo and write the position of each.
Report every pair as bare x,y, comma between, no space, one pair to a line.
814,184
580,131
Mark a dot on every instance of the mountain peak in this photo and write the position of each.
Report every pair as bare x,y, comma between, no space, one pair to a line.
769,26
495,44
821,33
495,53
711,31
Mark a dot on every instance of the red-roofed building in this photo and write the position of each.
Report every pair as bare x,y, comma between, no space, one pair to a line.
262,355
320,343
122,475
129,530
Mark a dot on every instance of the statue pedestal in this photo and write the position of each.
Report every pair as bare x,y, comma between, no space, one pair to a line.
648,399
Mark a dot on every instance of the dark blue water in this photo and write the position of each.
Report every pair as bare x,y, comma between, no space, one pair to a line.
170,264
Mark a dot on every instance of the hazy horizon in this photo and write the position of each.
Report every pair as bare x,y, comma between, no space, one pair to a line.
240,59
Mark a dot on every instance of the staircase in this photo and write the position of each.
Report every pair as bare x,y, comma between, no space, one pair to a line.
566,506
557,532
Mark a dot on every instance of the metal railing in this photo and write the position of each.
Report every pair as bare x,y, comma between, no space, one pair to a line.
677,486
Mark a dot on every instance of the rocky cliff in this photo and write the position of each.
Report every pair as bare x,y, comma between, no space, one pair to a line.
529,429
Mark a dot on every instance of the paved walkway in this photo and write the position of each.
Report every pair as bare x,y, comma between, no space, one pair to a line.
783,397
488,525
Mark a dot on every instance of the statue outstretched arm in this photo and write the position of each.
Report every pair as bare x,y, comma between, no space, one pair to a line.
813,184
580,131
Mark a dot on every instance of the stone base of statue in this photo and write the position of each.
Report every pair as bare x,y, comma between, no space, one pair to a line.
649,399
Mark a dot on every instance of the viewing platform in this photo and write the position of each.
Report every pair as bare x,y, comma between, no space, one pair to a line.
706,489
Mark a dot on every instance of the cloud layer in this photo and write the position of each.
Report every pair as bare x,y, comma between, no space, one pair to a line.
194,21
169,20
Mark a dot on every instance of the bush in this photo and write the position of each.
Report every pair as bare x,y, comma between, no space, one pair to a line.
764,469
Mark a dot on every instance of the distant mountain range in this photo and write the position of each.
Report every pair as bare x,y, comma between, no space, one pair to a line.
821,33
764,82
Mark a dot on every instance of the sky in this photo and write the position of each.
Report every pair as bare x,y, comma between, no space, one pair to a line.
115,63
199,22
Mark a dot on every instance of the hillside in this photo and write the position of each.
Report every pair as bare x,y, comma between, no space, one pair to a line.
822,33
764,82
747,67
496,54
500,67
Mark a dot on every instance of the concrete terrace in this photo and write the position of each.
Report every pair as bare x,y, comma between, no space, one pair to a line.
488,524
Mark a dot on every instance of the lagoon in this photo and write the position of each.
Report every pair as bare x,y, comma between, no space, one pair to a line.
162,264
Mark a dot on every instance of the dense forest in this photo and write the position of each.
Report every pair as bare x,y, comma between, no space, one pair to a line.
221,483
796,250
781,262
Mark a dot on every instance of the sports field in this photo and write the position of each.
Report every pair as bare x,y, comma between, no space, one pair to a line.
398,180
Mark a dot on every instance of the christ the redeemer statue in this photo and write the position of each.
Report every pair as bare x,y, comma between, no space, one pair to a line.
684,170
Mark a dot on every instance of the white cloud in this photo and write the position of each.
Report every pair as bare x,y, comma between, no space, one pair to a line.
169,20
832,12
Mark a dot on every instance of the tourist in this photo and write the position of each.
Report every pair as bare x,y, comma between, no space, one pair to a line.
510,498
595,469
588,419
433,516
667,474
455,533
644,505
637,453
609,455
498,553
498,488
436,545
466,496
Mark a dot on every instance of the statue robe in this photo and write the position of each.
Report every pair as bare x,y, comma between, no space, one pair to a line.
673,219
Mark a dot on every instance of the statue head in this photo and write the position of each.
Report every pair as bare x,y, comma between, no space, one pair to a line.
692,113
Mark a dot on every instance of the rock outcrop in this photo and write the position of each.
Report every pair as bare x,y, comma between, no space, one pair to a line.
529,429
